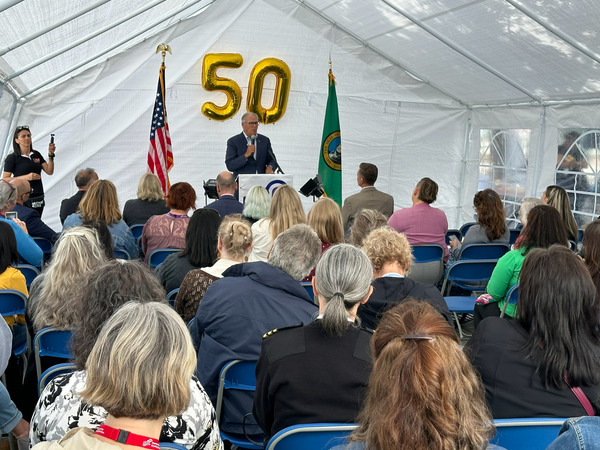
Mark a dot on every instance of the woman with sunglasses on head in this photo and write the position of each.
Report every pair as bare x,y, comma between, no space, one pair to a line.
25,162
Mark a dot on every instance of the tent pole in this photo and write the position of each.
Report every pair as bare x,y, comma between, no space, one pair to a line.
126,40
37,34
465,159
83,39
539,153
13,124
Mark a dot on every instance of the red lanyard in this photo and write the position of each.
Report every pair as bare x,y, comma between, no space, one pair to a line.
125,437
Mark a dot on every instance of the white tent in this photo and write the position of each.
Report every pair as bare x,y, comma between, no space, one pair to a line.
472,93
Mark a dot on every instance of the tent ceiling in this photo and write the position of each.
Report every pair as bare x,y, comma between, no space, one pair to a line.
478,52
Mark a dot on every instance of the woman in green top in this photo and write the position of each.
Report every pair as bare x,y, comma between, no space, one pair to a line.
544,228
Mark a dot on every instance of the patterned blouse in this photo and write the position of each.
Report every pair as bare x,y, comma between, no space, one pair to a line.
60,409
164,231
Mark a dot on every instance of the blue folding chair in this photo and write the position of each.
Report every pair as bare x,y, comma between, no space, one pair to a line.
51,342
136,230
171,445
45,245
480,250
52,372
12,303
452,232
121,254
580,236
171,297
428,265
157,256
29,272
309,289
311,436
471,275
526,434
514,234
463,230
511,297
236,375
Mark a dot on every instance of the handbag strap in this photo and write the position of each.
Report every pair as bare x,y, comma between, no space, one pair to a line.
581,397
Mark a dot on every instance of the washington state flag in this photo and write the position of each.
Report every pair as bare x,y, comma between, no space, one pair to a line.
330,158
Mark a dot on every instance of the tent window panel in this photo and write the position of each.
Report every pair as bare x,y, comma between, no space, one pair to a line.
578,171
503,160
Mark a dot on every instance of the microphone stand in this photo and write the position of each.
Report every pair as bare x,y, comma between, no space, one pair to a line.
278,168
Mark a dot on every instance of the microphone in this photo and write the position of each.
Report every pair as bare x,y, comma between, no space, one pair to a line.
253,139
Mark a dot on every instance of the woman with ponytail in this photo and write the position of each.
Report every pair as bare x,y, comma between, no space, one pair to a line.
317,372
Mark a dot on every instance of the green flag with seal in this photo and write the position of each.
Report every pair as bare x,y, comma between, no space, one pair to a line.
330,158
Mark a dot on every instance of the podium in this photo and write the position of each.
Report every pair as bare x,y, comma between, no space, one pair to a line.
269,181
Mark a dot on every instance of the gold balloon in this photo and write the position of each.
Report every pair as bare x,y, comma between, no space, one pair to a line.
212,82
282,89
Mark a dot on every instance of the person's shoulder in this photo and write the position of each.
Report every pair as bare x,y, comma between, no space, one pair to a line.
281,331
285,341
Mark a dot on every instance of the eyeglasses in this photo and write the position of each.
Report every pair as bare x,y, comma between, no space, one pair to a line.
252,123
22,127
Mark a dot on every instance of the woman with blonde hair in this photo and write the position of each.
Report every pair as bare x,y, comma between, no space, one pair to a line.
325,218
558,198
52,299
150,201
286,210
130,374
256,204
234,241
423,393
101,203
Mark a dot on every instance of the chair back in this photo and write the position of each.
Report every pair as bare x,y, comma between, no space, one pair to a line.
171,445
511,297
171,297
29,272
469,274
51,342
136,230
463,230
580,235
156,257
236,375
526,434
12,303
45,245
514,234
453,232
428,265
479,250
49,374
311,436
121,254
309,289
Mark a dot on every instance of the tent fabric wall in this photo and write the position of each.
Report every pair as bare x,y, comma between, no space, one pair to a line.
425,123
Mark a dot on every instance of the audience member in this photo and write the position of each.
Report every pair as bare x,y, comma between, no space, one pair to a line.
533,365
526,204
227,203
35,226
61,408
286,210
290,386
10,278
491,222
391,259
83,180
421,223
104,237
591,251
53,301
544,228
28,250
200,249
246,303
558,197
11,419
364,222
130,375
256,204
422,393
233,243
150,201
578,433
168,230
368,197
101,203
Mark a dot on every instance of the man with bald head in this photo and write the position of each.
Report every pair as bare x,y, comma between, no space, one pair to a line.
226,204
35,226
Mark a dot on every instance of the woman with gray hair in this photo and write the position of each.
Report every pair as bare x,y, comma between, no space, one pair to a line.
317,372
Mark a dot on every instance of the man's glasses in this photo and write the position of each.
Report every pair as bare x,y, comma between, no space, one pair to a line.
22,127
252,123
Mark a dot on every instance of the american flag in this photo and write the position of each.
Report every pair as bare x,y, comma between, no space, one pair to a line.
160,156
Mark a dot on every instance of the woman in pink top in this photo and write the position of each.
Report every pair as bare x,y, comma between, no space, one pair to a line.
168,230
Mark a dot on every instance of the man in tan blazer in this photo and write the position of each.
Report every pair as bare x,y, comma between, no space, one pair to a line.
368,198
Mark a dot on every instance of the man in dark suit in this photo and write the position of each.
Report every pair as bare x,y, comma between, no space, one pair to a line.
35,226
83,180
248,155
368,198
226,204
